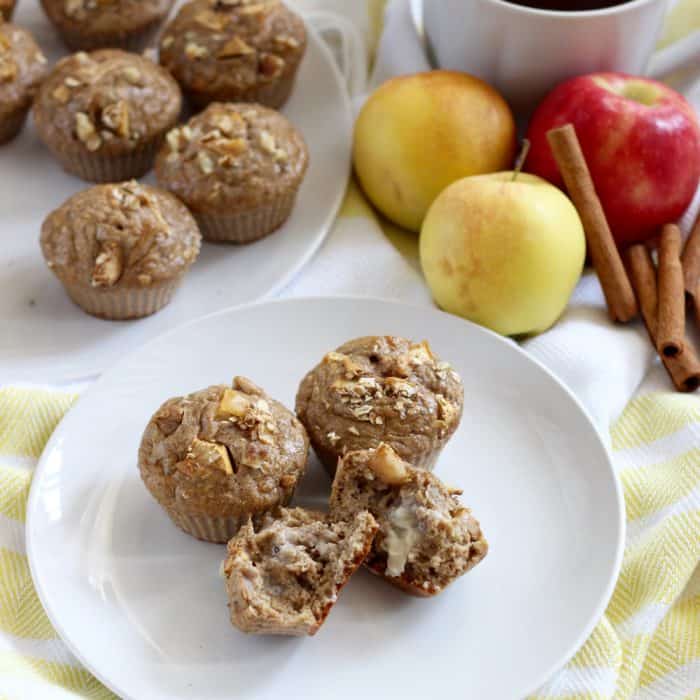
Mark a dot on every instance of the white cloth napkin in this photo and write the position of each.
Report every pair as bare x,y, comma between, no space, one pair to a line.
602,363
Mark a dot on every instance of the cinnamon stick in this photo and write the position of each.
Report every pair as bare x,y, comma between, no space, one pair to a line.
643,277
670,332
691,261
622,305
684,369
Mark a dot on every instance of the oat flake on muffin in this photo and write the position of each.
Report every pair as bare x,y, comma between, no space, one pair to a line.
120,250
381,389
22,68
234,51
238,168
104,114
216,457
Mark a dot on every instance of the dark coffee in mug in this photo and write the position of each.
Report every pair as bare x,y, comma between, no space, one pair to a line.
568,5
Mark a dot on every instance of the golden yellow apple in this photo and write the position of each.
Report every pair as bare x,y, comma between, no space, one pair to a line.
504,250
419,133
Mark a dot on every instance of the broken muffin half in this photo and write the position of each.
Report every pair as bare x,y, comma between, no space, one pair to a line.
426,537
284,574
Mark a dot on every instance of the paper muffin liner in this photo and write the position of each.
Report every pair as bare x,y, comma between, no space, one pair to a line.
247,226
207,528
98,167
12,123
121,304
133,41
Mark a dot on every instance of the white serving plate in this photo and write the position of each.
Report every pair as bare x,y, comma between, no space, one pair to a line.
141,603
44,337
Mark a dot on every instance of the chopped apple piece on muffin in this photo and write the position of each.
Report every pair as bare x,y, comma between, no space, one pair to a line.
284,575
426,537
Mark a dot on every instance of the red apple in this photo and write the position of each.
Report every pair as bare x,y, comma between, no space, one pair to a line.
641,140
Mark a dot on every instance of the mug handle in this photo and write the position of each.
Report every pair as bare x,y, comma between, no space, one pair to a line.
681,54
346,44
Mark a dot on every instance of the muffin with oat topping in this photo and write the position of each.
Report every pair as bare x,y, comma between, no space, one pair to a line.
104,115
234,51
120,250
115,24
22,68
217,457
381,389
7,7
238,168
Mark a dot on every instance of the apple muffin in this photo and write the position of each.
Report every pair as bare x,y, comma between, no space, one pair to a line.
426,537
7,7
234,51
381,389
22,68
284,575
219,456
85,25
104,115
120,250
238,167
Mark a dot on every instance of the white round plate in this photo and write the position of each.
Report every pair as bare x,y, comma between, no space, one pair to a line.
46,337
142,604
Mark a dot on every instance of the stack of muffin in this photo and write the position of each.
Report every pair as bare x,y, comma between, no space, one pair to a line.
224,463
230,174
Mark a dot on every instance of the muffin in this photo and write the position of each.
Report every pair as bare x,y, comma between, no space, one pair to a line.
120,250
104,115
7,7
284,576
217,457
234,51
237,167
22,68
426,537
115,24
380,389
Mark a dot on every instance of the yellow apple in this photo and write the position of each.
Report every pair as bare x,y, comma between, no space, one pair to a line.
503,250
419,133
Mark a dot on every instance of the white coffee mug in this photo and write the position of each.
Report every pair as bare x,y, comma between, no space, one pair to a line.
524,52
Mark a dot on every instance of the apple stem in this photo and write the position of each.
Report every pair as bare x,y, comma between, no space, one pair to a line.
522,157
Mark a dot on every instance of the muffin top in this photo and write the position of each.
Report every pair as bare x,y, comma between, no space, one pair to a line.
108,100
381,389
230,47
232,155
127,234
106,16
22,68
223,451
